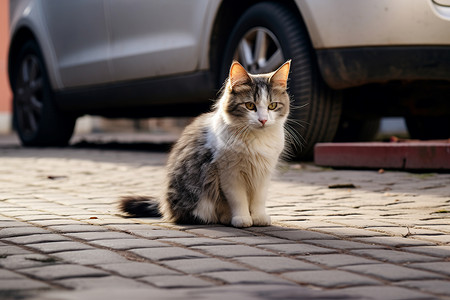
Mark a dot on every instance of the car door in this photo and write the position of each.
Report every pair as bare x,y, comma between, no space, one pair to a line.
80,40
155,38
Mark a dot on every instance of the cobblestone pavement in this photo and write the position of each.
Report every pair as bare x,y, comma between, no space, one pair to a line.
336,234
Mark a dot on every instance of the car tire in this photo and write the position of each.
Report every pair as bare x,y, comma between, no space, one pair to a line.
37,120
428,128
316,108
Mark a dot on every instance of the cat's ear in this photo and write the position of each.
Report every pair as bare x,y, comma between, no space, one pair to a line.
238,75
280,77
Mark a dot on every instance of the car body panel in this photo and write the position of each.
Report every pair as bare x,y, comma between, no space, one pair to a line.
27,14
81,48
148,43
355,23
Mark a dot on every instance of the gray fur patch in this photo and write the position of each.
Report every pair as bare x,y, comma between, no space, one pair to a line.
192,173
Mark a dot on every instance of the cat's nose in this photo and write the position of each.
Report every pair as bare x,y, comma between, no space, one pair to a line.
263,121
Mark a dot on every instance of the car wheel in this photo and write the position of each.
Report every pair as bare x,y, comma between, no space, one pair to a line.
36,118
428,128
264,37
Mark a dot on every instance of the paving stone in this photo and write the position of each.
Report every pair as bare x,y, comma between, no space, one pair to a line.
169,253
343,244
20,261
442,267
394,256
247,277
264,229
22,284
401,231
130,227
330,278
301,235
126,244
350,232
392,272
23,212
91,257
77,228
161,233
100,283
233,250
196,241
297,249
441,239
57,221
108,220
315,225
59,246
12,223
6,274
338,260
203,265
177,281
380,293
219,232
275,264
63,271
439,251
11,250
441,287
393,241
256,240
37,238
363,223
94,236
138,269
21,231
41,218
181,227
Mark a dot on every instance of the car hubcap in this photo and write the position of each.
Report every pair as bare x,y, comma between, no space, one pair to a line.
259,51
29,94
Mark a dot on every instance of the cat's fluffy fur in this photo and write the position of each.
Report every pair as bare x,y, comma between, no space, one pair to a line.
219,170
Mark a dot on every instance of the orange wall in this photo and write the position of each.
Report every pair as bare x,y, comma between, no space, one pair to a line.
5,92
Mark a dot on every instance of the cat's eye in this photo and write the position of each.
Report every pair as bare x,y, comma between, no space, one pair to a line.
273,105
250,105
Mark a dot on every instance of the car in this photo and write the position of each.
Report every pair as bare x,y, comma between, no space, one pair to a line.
353,62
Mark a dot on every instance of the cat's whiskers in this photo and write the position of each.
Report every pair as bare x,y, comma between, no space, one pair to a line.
294,140
296,107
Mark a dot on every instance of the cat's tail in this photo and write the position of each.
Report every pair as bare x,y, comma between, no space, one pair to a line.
138,206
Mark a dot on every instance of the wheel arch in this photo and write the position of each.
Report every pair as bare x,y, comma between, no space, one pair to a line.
24,33
227,15
20,37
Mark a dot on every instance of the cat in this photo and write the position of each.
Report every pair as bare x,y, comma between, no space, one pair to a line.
220,168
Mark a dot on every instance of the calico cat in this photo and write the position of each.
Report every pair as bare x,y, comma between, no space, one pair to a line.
219,170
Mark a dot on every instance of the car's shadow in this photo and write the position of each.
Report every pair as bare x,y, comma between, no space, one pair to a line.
123,146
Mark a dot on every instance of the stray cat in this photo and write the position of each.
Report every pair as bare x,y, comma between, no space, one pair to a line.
219,170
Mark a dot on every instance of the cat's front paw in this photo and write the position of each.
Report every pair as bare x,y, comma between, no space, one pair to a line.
261,220
242,221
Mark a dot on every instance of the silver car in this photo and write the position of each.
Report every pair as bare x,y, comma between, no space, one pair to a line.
353,62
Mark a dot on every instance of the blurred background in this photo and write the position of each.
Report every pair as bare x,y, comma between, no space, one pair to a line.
362,71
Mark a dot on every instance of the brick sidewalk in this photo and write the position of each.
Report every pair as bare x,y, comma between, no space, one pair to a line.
336,234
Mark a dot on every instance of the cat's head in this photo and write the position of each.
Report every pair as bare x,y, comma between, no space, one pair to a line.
256,100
